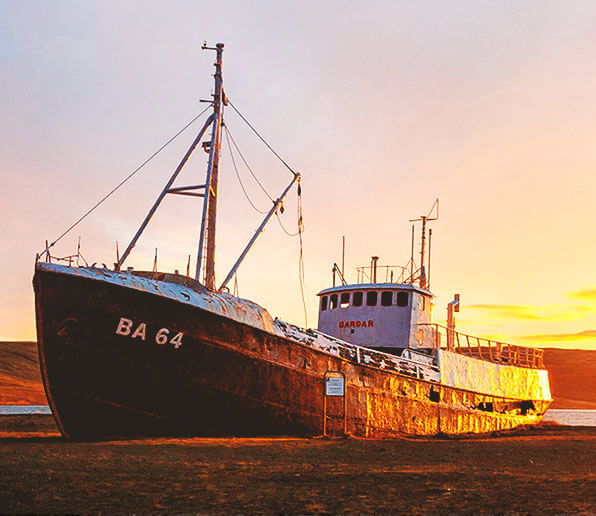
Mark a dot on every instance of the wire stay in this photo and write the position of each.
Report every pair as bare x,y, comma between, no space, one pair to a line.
238,174
127,178
262,139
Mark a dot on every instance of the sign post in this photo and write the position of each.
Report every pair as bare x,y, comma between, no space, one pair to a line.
335,386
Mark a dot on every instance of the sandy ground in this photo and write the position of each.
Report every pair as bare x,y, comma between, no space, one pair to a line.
550,469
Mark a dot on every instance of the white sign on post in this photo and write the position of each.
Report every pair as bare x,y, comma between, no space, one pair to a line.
334,386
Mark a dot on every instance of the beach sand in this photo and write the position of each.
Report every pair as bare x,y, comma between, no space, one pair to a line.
548,469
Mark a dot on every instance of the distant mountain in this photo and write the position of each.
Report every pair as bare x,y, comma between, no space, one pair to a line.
572,376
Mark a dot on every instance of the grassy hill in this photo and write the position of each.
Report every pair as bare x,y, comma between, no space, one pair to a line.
20,379
572,376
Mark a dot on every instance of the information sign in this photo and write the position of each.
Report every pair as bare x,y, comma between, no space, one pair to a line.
334,386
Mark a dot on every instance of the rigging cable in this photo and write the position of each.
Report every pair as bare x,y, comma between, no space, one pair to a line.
238,175
248,166
301,257
301,272
230,137
262,139
47,249
284,229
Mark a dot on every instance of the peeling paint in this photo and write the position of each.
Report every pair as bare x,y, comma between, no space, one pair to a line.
241,310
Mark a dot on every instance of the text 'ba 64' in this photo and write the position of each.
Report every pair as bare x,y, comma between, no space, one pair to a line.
162,336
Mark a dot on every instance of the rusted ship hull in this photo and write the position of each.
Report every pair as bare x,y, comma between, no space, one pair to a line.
225,377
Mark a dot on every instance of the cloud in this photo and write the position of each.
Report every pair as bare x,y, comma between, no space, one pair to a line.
562,337
510,311
550,313
584,295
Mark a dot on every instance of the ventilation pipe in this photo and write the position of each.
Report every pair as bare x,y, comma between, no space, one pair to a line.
453,306
374,259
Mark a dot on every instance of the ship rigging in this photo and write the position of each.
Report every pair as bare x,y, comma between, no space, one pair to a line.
213,126
125,352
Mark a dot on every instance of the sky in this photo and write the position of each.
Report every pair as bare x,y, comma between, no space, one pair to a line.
381,106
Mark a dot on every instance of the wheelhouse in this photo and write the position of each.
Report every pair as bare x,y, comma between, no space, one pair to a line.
375,315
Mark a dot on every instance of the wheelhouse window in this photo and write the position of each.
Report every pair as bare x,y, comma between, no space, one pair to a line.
371,298
323,303
357,299
386,298
344,300
333,301
402,298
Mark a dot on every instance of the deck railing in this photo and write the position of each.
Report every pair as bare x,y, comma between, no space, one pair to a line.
383,274
437,336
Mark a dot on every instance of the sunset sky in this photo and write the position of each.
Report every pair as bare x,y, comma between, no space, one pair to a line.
382,106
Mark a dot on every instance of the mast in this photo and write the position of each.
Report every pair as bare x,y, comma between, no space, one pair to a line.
206,250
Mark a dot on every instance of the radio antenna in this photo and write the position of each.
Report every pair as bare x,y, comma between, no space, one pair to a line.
433,214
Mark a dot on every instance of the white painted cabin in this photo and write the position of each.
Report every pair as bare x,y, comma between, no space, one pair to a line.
383,316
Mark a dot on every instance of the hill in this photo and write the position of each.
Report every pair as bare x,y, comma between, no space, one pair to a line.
572,376
20,379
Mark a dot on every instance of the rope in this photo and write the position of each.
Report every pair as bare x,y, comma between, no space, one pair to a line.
262,139
238,175
71,227
301,272
301,257
284,229
247,165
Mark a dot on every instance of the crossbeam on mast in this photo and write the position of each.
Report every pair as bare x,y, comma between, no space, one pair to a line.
163,193
187,190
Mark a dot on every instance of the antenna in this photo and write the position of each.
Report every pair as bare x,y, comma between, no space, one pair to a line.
412,257
433,214
343,254
430,236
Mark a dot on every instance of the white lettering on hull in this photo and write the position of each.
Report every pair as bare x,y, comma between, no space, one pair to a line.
125,327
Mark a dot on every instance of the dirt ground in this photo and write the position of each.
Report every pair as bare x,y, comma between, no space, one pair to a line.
550,469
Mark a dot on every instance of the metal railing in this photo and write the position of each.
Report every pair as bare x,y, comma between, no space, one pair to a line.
391,274
422,369
437,336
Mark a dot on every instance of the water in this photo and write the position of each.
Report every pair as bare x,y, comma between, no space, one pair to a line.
24,409
562,416
571,417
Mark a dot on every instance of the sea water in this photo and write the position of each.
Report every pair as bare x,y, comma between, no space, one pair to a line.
571,417
24,409
562,416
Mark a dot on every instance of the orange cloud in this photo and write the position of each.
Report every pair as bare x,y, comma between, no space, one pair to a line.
579,336
510,311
